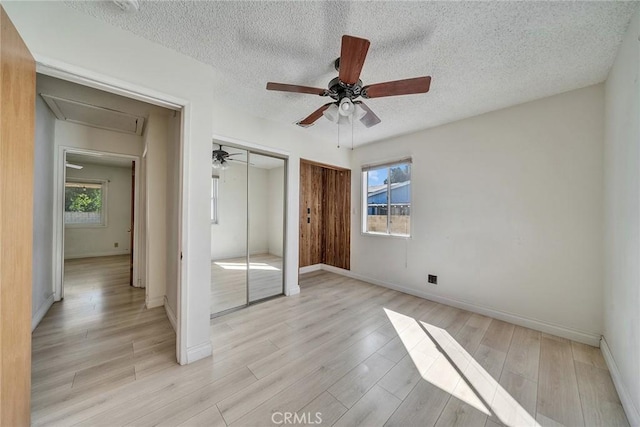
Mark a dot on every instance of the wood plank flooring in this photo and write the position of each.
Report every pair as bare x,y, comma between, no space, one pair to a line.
229,280
342,352
99,337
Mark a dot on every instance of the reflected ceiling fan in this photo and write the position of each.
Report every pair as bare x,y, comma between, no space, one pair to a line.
222,158
347,87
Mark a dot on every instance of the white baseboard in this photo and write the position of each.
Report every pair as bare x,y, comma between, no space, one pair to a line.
538,325
41,311
310,268
154,302
199,351
97,254
292,290
633,415
170,314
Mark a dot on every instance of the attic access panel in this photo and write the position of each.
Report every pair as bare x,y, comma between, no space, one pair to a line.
94,116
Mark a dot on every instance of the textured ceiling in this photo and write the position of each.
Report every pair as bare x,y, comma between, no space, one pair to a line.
482,56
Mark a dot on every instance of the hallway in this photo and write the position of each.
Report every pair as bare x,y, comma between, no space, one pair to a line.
99,337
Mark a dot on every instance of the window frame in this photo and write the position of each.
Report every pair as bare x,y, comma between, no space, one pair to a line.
364,197
214,213
104,204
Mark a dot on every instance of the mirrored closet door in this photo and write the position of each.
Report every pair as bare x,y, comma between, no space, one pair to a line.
229,215
266,226
248,195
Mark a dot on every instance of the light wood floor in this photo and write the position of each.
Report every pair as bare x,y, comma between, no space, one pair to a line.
98,338
229,280
356,354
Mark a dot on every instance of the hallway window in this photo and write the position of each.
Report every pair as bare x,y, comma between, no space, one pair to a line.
85,203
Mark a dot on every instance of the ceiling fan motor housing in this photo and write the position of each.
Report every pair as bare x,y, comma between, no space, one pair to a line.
339,89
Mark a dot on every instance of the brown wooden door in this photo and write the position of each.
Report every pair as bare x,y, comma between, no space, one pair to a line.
337,218
311,222
325,220
17,122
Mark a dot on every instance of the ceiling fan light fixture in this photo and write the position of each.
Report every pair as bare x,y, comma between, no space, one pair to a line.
224,165
216,163
346,107
331,113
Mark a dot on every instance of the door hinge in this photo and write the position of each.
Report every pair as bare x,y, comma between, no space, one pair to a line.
180,256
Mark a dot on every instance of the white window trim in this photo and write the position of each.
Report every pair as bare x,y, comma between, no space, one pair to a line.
105,189
364,198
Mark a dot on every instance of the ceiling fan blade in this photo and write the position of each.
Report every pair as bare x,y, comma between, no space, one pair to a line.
282,87
311,118
397,87
352,56
73,166
369,119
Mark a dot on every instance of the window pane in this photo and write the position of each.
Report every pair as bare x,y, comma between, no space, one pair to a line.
377,200
388,205
400,215
83,203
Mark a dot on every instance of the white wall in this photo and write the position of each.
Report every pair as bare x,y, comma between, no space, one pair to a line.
44,148
50,30
622,220
156,142
82,242
229,235
266,192
275,219
258,210
506,211
79,136
173,211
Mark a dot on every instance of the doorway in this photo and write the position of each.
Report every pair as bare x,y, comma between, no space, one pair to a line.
99,210
248,196
325,220
108,168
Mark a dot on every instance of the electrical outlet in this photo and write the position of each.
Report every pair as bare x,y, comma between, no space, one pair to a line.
432,279
115,245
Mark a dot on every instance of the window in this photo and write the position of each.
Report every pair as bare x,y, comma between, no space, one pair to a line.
386,198
214,199
85,203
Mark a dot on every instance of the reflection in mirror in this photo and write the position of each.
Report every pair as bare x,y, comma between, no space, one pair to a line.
229,231
266,226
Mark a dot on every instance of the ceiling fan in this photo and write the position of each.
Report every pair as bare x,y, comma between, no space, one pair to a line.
347,87
221,158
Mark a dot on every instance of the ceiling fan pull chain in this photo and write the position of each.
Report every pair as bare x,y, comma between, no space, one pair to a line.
351,133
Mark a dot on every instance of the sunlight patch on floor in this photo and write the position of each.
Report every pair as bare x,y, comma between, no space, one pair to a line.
443,362
243,266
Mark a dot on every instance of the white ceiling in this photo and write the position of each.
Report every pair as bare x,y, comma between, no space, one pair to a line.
88,95
482,56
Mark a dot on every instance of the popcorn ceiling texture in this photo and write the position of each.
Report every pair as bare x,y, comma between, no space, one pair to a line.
482,56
